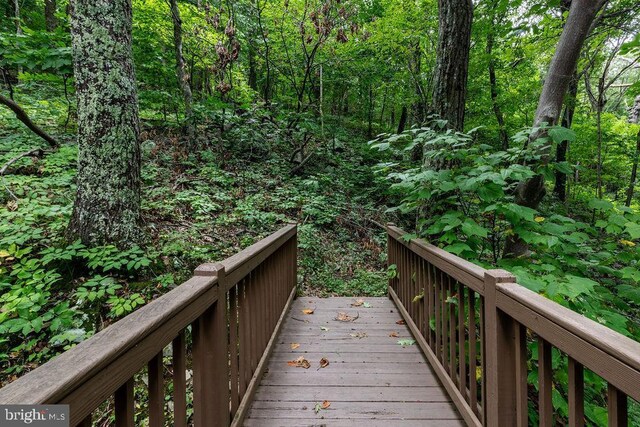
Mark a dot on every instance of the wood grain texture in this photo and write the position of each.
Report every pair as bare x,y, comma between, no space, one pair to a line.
368,377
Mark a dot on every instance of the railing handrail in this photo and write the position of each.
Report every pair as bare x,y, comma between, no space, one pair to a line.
462,270
608,353
136,337
507,310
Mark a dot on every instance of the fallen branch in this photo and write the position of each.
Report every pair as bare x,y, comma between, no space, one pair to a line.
35,151
24,118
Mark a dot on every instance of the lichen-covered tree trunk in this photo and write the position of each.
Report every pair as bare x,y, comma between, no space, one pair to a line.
107,205
181,73
452,62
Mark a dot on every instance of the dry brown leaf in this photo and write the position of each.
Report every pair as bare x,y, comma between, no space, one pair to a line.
326,404
294,345
324,362
400,322
394,335
308,311
359,335
357,303
344,317
300,362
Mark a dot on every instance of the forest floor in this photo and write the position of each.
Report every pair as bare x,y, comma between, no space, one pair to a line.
198,205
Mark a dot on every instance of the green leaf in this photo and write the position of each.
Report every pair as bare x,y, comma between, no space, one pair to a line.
406,343
600,205
559,134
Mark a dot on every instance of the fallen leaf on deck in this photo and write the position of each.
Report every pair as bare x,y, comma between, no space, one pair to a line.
326,404
294,345
344,317
394,335
406,343
400,322
317,408
300,362
324,362
359,335
308,311
357,303
324,328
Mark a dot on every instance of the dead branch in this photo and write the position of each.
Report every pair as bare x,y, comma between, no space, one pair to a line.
24,118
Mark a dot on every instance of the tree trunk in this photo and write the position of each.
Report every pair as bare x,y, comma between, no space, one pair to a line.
560,187
634,117
452,62
51,22
581,15
16,10
504,138
181,74
107,205
403,119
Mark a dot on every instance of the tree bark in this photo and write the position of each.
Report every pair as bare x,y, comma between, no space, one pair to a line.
107,205
51,22
581,15
24,118
181,73
560,187
452,62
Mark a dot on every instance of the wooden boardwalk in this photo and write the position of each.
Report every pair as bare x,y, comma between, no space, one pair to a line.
371,380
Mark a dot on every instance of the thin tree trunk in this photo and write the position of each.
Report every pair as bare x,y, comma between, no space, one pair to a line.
51,22
452,63
16,5
560,187
181,73
107,205
403,119
581,15
504,138
634,117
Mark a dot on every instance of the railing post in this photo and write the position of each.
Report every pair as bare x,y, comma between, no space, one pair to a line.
500,355
211,357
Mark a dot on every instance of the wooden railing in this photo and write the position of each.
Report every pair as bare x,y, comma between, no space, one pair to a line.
474,325
220,326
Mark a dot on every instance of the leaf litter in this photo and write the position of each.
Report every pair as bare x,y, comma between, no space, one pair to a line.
300,362
344,317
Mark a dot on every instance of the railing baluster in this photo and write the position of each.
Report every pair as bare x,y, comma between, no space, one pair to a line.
430,295
452,331
233,347
179,381
483,352
124,405
473,358
155,369
438,307
522,413
545,380
87,422
462,356
617,406
576,394
444,321
244,340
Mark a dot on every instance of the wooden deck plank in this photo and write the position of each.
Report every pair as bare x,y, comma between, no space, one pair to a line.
370,377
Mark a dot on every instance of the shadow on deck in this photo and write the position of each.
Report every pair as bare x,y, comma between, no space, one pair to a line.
214,352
